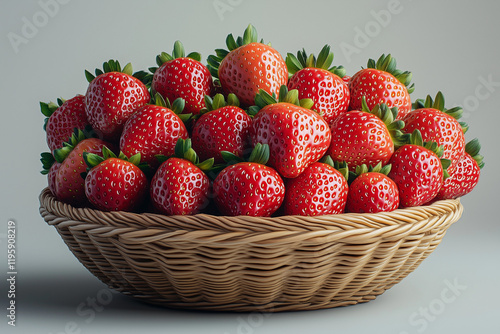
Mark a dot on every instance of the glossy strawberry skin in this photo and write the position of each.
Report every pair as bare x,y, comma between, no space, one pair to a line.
152,130
462,179
328,91
378,87
372,192
297,137
418,174
360,138
185,78
223,129
251,67
319,190
248,188
437,126
69,183
179,188
110,100
116,185
51,177
61,124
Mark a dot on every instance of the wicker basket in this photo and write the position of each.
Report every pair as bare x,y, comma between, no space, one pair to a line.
248,263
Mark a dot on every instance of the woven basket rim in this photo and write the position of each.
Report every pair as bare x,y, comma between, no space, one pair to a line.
337,222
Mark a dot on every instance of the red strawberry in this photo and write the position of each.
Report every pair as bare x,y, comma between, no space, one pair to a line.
319,190
62,120
69,184
296,136
365,137
153,130
115,184
112,97
248,66
466,174
223,128
315,79
372,191
380,83
439,125
179,186
249,188
181,76
418,171
50,167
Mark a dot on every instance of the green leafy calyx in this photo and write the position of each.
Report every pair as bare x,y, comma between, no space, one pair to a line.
388,116
438,103
249,36
263,99
473,148
184,150
323,61
388,64
112,66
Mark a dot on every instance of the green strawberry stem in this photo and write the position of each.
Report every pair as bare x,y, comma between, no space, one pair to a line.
219,101
49,108
341,166
263,99
388,64
249,36
439,103
178,52
177,106
183,150
324,60
388,116
473,148
61,153
47,160
415,138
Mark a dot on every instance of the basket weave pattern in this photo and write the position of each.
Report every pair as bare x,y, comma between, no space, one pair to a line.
251,263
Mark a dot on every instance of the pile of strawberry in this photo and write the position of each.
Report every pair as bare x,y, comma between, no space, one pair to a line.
251,133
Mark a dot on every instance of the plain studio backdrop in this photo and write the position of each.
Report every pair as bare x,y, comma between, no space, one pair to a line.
450,46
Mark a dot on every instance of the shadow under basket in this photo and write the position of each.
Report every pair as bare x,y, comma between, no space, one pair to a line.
245,263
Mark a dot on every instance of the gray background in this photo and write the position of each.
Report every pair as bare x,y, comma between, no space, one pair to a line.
448,45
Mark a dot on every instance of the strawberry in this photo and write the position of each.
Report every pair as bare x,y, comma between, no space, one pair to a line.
112,97
224,127
62,119
380,83
439,125
114,184
249,188
154,130
67,182
248,66
315,79
319,190
366,137
466,174
297,136
181,76
418,170
50,167
372,191
180,186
